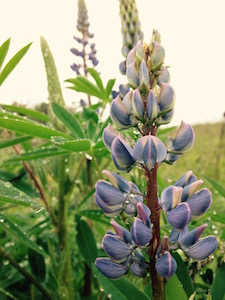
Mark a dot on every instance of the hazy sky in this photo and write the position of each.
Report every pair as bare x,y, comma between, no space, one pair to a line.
192,34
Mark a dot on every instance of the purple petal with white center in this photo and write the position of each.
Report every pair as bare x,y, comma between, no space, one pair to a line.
132,75
139,269
144,80
110,269
190,189
166,98
184,138
109,134
200,202
122,232
138,105
144,213
190,238
141,234
117,181
184,180
166,265
109,194
180,216
122,154
115,247
110,211
203,248
119,114
170,197
152,108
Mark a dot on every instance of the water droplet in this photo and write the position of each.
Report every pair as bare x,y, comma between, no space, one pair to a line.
5,262
214,212
101,289
2,219
5,117
110,296
67,170
8,184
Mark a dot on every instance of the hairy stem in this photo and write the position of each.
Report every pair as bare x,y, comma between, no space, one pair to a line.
63,231
26,274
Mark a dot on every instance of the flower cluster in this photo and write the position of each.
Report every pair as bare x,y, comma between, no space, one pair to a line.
83,27
124,247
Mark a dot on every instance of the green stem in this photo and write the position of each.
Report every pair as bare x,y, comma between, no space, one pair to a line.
24,272
64,246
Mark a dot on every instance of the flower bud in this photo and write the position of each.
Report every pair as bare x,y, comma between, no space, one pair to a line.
166,98
122,67
138,105
139,269
117,181
190,238
131,57
140,54
144,80
190,189
132,75
164,75
110,211
125,51
141,234
119,114
158,54
105,191
109,134
144,213
156,36
200,202
186,179
121,232
180,216
150,150
122,154
123,90
166,119
127,101
203,248
115,247
152,106
174,235
184,138
166,265
130,210
170,197
110,269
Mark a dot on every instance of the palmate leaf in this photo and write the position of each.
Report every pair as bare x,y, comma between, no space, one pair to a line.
30,113
15,231
109,87
30,128
12,63
68,120
97,78
3,51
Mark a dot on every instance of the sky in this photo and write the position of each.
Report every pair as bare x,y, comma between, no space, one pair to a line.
192,34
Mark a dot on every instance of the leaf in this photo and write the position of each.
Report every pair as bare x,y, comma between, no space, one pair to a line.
183,275
36,154
95,215
15,231
119,289
9,295
13,62
82,84
10,194
3,51
68,120
174,289
86,242
97,78
218,218
30,128
37,265
14,141
109,87
216,186
89,114
27,112
86,198
74,145
218,287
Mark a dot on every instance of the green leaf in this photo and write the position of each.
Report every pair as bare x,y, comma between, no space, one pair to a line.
74,145
95,215
97,78
30,128
9,295
109,87
86,198
220,218
13,62
119,289
3,51
15,231
10,194
218,287
34,114
174,289
86,242
89,114
183,275
14,141
82,84
37,265
216,186
68,120
36,154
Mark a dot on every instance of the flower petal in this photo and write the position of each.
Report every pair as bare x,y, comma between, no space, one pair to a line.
138,105
166,98
144,213
180,216
141,234
184,138
144,80
117,181
203,248
192,237
132,75
115,247
186,179
166,265
110,269
190,189
139,269
200,202
152,108
108,193
170,197
110,211
109,134
119,114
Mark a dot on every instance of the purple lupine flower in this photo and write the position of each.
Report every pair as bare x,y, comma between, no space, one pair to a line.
152,107
164,75
109,134
144,80
138,105
111,269
166,265
158,54
166,98
180,216
170,197
119,113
